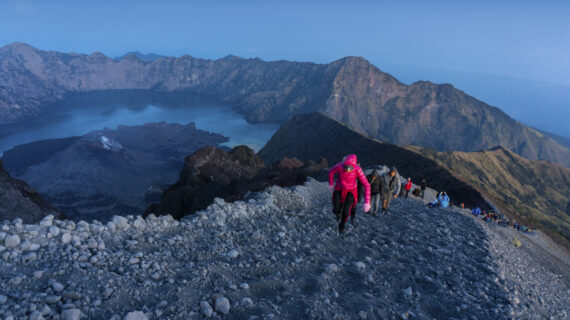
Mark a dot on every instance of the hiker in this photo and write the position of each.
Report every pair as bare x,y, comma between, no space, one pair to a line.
444,201
423,185
476,211
346,189
408,186
375,185
390,188
416,192
436,202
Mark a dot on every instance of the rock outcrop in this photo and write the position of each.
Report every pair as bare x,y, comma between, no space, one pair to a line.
350,90
20,201
213,173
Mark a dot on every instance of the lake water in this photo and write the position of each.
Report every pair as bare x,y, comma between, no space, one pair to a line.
96,110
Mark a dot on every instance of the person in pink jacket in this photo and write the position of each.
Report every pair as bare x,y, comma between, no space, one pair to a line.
346,188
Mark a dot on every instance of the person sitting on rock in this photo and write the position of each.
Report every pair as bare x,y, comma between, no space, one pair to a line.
346,189
435,202
390,188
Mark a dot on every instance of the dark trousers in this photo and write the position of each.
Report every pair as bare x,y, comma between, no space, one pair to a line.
343,208
407,191
422,191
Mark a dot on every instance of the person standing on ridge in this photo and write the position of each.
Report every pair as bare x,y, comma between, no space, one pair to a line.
390,188
345,190
408,186
423,185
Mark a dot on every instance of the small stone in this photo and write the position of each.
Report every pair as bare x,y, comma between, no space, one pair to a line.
135,315
247,302
206,309
72,295
222,305
53,299
360,266
12,241
71,314
219,201
408,291
54,231
32,256
57,287
244,286
66,238
134,260
92,244
233,254
3,299
120,222
363,315
38,274
47,221
36,315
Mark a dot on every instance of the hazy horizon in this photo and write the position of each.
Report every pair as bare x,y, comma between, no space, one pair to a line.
509,54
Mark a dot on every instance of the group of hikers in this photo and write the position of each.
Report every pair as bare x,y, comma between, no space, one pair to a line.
499,218
375,189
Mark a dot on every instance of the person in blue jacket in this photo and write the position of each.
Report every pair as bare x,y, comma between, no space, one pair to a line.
476,211
444,200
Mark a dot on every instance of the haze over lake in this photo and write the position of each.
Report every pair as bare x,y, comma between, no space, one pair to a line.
96,110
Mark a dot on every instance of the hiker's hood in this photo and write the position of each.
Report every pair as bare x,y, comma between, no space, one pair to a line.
350,160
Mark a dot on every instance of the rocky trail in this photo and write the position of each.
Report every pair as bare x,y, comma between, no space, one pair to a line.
277,255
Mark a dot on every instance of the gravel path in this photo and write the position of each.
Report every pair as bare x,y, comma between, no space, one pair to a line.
277,256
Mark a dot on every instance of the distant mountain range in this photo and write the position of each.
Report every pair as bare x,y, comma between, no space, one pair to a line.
140,56
108,172
350,90
532,192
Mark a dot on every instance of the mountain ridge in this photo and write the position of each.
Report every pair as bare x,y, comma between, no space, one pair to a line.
350,90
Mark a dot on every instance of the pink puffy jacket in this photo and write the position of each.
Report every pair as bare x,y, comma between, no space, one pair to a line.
347,180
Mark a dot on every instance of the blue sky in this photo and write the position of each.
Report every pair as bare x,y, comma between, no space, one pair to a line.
461,42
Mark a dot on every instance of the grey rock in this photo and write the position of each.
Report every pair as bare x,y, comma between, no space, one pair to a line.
247,302
135,315
66,238
222,305
57,287
233,254
71,314
53,299
120,222
206,309
36,315
3,299
12,241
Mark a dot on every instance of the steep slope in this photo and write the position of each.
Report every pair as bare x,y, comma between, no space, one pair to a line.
278,256
108,172
538,191
20,201
350,90
312,136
